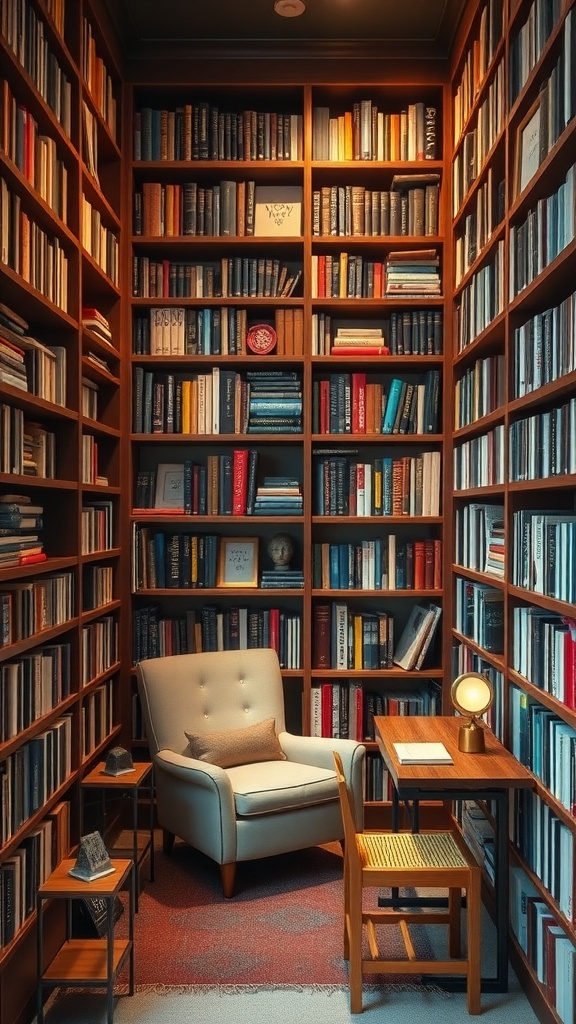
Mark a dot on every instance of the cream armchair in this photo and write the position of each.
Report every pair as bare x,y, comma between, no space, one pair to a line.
248,810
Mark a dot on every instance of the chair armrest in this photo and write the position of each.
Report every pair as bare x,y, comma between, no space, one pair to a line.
197,773
318,750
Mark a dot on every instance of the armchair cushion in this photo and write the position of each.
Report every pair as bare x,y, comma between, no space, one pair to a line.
229,747
280,786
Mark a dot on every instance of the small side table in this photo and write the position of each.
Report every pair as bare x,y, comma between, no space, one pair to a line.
130,784
81,963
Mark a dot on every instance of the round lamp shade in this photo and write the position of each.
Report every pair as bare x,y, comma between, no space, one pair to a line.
472,693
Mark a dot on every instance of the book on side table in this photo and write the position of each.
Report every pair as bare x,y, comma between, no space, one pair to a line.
422,753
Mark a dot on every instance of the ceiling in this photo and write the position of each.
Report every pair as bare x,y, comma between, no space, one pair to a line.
402,28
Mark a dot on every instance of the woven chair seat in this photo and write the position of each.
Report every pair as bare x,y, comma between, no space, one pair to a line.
406,850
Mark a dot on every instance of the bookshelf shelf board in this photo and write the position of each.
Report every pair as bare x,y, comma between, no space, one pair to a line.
479,426
550,603
257,168
99,429
481,577
18,481
108,149
543,697
358,592
554,281
214,300
159,517
181,243
96,754
484,254
353,306
259,592
380,520
488,339
556,389
103,609
384,673
100,489
390,166
479,492
37,726
96,279
381,242
396,439
31,822
92,684
244,439
38,209
381,363
97,556
38,307
565,482
98,200
31,571
38,407
497,660
544,793
98,374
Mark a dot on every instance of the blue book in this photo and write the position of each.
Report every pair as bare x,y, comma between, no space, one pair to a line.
391,405
159,543
334,567
387,486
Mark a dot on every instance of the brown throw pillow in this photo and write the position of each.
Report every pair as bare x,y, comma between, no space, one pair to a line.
231,747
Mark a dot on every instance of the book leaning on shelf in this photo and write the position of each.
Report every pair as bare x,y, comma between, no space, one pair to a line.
417,636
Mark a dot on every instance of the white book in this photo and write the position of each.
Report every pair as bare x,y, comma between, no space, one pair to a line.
422,753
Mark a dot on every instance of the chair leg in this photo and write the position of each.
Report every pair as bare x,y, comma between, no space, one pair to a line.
454,912
167,841
346,937
474,924
355,940
228,876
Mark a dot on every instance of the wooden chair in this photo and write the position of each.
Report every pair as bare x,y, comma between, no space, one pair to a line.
433,860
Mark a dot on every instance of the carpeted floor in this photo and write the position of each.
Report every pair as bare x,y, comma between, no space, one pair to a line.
283,926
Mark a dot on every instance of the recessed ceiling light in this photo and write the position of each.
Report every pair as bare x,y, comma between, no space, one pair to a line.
289,8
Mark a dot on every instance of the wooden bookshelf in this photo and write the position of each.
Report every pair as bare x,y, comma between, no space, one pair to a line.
532,155
59,661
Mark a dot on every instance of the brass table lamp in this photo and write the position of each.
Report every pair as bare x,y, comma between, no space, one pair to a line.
472,694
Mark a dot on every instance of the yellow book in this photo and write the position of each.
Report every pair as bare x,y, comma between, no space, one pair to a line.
358,641
348,148
186,390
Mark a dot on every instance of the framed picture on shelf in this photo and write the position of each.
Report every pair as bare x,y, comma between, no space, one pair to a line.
527,147
169,486
238,562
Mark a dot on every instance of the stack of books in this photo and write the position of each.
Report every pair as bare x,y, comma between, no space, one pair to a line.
20,521
359,341
12,365
278,496
274,402
282,578
413,273
93,320
417,636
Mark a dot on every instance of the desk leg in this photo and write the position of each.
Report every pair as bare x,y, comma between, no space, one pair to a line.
152,826
135,838
110,959
39,944
501,890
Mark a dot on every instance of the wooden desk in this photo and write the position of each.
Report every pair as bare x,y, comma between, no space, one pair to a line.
488,776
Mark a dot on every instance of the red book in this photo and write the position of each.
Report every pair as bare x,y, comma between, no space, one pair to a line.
240,481
358,403
324,406
326,709
30,559
437,564
419,562
321,651
274,629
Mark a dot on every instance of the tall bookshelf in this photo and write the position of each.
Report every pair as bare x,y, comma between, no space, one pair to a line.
514,386
62,453
346,154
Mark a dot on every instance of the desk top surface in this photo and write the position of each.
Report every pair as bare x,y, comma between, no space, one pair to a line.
497,768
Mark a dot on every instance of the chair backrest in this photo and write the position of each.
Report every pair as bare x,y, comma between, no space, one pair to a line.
346,806
208,692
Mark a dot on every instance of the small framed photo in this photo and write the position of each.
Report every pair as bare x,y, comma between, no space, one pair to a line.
238,562
527,150
170,486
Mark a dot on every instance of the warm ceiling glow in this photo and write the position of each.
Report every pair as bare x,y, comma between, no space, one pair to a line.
289,8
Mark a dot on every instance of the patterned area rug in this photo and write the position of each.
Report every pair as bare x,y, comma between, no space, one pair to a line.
284,926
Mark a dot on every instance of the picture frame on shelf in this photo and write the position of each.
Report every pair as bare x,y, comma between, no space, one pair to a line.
238,562
169,486
527,148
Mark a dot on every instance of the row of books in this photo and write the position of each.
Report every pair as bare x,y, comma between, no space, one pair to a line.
480,137
411,332
545,347
91,471
547,845
481,300
479,391
480,461
527,44
25,35
346,710
378,785
217,628
386,563
480,538
478,832
97,586
32,774
346,639
29,606
545,944
35,155
96,717
162,560
478,59
44,366
99,648
346,403
479,614
89,398
21,874
230,277
545,744
409,207
31,686
38,258
100,241
543,553
480,224
176,330
366,132
98,79
97,526
346,276
540,445
221,401
164,209
201,131
546,230
407,486
544,651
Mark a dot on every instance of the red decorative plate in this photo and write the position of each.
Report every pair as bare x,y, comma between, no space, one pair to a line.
261,339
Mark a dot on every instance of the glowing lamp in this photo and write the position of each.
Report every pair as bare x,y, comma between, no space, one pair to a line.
472,694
